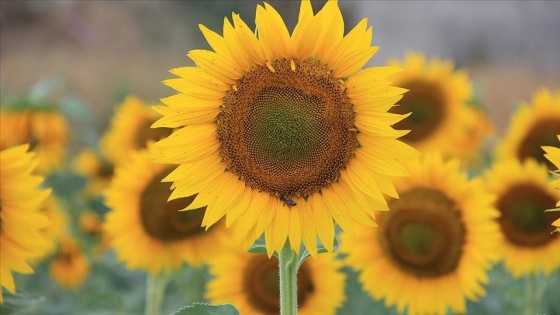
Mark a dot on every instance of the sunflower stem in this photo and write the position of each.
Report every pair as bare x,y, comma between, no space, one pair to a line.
532,306
288,267
155,289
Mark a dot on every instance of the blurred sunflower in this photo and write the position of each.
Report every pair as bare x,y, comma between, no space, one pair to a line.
142,221
523,196
90,222
437,98
130,130
433,249
475,129
533,126
97,169
21,220
287,125
250,282
69,268
553,155
44,129
58,229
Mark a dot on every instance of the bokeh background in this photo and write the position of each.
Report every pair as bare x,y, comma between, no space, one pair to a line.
88,55
103,50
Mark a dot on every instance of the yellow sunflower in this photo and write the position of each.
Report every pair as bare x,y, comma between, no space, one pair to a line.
142,221
284,133
58,229
523,196
69,268
21,220
534,125
130,130
90,222
553,155
437,98
45,130
97,169
250,282
475,129
431,252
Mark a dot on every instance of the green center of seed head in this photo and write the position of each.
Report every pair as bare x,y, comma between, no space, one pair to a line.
288,128
417,238
285,134
529,217
420,112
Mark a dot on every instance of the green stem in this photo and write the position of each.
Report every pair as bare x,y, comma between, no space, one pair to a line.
533,295
155,290
288,266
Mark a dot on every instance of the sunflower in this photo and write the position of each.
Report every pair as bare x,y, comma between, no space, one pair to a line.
69,268
45,130
553,155
250,282
21,220
96,168
437,98
433,249
90,222
130,130
475,129
283,133
533,126
58,229
142,221
523,196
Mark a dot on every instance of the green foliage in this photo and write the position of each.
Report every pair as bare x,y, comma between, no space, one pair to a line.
207,309
21,301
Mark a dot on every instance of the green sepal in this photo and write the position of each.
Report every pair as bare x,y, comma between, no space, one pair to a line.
259,247
19,302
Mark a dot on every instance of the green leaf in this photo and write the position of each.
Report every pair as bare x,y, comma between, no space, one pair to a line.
21,301
207,309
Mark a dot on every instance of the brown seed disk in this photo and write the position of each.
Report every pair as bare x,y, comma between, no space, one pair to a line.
146,133
524,221
162,219
426,102
543,133
288,133
423,233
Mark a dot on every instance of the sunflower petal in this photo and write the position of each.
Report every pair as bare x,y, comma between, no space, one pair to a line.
273,33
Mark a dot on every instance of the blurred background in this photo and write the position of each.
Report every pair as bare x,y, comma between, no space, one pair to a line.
103,50
88,55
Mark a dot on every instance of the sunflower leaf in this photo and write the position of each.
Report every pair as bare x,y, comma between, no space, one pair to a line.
207,309
20,302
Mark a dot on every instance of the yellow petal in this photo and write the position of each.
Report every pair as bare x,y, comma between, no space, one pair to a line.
216,65
248,40
272,33
309,233
294,232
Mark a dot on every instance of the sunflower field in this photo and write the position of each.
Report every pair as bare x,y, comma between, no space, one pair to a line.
294,161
